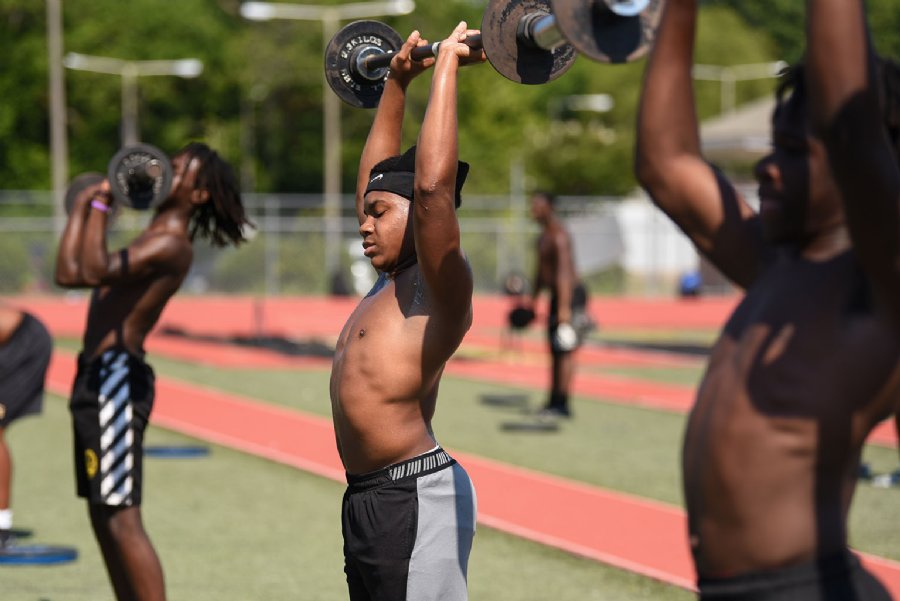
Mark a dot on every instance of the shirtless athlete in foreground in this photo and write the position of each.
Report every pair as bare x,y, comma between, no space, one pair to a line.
809,361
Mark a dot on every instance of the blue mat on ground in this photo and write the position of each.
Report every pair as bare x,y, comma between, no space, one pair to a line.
175,451
36,554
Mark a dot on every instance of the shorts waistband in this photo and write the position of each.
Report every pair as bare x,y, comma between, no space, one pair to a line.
830,567
417,466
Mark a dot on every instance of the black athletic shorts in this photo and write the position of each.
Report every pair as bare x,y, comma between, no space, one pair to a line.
408,531
24,359
836,578
110,405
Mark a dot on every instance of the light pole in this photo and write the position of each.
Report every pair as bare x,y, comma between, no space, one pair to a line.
591,103
129,71
58,142
330,16
729,75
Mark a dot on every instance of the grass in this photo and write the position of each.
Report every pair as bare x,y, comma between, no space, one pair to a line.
623,448
232,526
684,376
673,336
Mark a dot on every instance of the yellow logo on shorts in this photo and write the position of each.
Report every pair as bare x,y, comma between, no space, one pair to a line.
90,463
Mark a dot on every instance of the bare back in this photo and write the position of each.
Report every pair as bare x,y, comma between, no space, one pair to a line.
387,367
803,370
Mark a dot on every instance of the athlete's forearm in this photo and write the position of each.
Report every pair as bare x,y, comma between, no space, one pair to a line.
436,231
384,136
667,120
839,59
437,155
96,261
69,256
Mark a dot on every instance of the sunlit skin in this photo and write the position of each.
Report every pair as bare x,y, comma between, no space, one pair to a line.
130,289
555,271
383,348
809,361
391,353
129,296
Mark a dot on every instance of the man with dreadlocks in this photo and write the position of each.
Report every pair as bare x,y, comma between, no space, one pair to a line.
809,361
114,388
408,514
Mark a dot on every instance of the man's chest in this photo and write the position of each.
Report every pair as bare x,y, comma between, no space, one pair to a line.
798,350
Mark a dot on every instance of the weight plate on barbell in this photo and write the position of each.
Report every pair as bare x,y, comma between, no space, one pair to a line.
602,35
511,57
354,39
79,184
140,176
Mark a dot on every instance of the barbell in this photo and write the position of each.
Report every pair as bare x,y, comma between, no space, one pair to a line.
140,177
526,41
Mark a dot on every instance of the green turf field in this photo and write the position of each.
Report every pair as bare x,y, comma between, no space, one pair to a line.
232,526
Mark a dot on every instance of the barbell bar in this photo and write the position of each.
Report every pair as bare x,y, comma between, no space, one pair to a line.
526,41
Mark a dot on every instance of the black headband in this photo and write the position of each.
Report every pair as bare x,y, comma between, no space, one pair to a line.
397,174
398,182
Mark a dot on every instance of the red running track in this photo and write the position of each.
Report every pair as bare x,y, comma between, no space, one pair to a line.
322,317
635,534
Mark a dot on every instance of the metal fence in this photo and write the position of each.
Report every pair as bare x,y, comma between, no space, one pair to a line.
621,245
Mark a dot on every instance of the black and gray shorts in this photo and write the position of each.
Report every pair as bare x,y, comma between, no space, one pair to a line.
110,406
408,530
24,359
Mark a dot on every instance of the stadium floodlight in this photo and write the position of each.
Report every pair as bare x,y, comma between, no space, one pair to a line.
130,71
330,16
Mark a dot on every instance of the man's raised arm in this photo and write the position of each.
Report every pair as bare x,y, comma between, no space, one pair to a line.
384,136
436,228
668,161
844,103
68,255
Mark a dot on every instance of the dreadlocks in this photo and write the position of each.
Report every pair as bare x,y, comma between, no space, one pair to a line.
222,219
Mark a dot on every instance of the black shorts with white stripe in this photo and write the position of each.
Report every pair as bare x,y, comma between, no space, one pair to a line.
110,406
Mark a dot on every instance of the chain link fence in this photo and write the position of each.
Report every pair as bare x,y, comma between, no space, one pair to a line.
622,246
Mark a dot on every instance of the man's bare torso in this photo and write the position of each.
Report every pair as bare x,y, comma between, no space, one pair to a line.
805,358
548,254
123,315
387,365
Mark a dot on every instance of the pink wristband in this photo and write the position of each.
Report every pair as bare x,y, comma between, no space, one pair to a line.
100,206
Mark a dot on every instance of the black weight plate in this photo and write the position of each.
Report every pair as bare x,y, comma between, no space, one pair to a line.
604,36
78,185
341,52
140,176
514,59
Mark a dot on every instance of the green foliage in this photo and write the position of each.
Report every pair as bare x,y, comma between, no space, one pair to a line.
13,255
610,281
784,21
239,270
300,264
259,99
